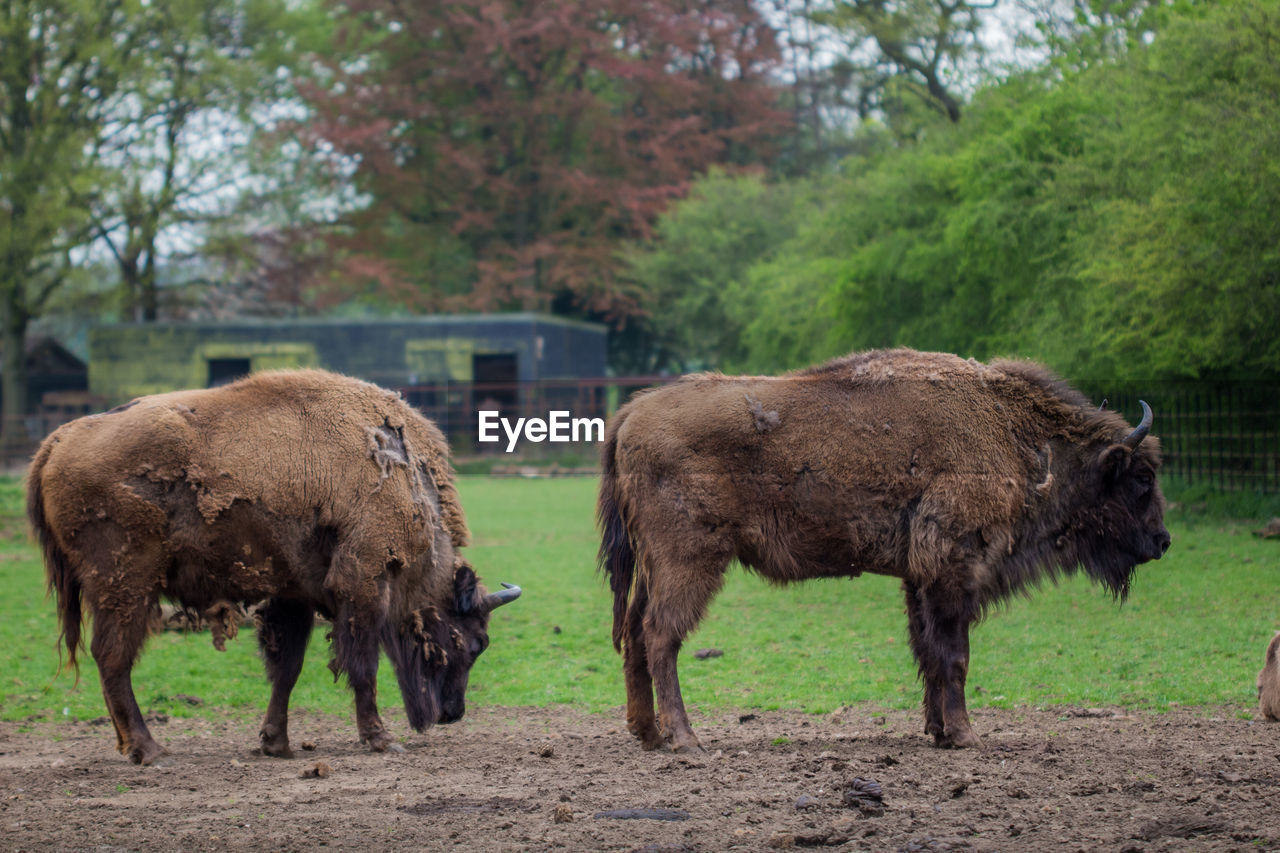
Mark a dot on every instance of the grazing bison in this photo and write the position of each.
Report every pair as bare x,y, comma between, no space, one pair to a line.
303,490
1269,682
969,482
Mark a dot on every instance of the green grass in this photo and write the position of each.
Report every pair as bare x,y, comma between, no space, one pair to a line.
1193,631
1201,501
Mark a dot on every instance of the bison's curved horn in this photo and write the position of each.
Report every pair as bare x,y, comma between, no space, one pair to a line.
505,596
1133,439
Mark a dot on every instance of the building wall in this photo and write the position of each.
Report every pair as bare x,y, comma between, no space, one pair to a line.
130,360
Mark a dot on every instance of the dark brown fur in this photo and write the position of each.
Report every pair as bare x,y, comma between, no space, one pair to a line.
969,482
303,490
1269,682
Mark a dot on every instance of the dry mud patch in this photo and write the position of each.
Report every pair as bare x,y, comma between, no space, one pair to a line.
541,779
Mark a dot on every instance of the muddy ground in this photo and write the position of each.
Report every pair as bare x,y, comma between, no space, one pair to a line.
538,779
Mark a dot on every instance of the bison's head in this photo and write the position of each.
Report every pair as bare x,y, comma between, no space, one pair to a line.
1127,509
435,651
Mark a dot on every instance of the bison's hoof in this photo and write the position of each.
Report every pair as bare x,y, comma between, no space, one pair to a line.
274,742
648,737
277,750
148,754
382,742
687,747
964,739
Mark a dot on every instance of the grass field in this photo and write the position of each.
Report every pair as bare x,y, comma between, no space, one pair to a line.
1193,631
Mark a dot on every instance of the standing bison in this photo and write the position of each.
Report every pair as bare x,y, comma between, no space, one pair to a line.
304,490
969,482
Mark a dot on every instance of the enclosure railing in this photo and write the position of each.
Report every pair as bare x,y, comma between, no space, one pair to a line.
1224,435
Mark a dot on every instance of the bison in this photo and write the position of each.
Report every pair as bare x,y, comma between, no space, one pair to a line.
1269,681
970,482
303,490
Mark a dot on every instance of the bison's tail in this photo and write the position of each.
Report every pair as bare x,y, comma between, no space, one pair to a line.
617,559
60,576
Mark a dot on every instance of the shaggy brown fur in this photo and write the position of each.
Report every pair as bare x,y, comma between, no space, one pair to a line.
969,482
1269,682
224,620
303,490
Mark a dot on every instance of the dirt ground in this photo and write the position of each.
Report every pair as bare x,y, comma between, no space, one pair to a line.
538,779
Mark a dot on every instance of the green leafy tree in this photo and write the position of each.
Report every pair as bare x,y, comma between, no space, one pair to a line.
1117,221
122,124
61,65
1182,271
1078,34
181,151
691,274
926,46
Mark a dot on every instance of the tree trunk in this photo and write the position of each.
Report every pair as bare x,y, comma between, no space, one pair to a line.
148,294
14,442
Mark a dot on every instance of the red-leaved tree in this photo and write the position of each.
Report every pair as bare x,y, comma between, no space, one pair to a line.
505,148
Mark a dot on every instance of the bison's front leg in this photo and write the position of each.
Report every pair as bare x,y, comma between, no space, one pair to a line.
355,652
938,621
284,627
916,627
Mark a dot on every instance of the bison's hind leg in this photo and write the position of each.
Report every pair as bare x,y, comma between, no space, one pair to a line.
641,719
1269,682
117,639
284,626
678,596
122,572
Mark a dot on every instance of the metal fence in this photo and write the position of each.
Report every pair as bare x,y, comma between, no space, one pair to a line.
1223,435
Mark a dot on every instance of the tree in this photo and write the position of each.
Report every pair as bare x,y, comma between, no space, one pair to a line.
1078,34
180,146
508,148
61,64
691,276
1181,272
1115,222
925,45
122,121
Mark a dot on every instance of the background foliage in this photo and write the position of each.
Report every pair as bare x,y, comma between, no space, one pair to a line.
1116,219
746,185
506,149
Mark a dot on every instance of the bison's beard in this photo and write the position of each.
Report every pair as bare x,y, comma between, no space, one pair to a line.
411,656
1108,565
